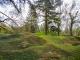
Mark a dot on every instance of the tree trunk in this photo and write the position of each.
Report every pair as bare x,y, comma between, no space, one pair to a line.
58,30
71,26
46,23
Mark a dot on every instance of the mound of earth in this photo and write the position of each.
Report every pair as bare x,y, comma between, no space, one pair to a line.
27,46
20,41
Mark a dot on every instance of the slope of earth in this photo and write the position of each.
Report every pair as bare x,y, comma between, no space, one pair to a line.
27,46
69,44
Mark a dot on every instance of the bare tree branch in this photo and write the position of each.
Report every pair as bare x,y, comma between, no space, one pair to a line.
15,5
9,18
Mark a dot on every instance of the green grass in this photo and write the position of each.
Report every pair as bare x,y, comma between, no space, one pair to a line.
28,46
11,48
57,41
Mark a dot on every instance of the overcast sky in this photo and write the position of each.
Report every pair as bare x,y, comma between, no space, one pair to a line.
9,8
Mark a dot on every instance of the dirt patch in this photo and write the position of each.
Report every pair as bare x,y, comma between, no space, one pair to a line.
74,41
31,41
50,52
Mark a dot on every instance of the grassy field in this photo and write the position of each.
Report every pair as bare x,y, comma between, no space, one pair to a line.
69,44
27,46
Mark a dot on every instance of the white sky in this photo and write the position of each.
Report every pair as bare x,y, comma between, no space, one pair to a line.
9,8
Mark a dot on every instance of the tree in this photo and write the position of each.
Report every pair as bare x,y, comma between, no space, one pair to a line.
33,17
48,7
72,16
18,5
58,22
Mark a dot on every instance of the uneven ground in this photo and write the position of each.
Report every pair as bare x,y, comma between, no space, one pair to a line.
27,46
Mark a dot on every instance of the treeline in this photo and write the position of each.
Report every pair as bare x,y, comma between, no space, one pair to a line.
45,16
